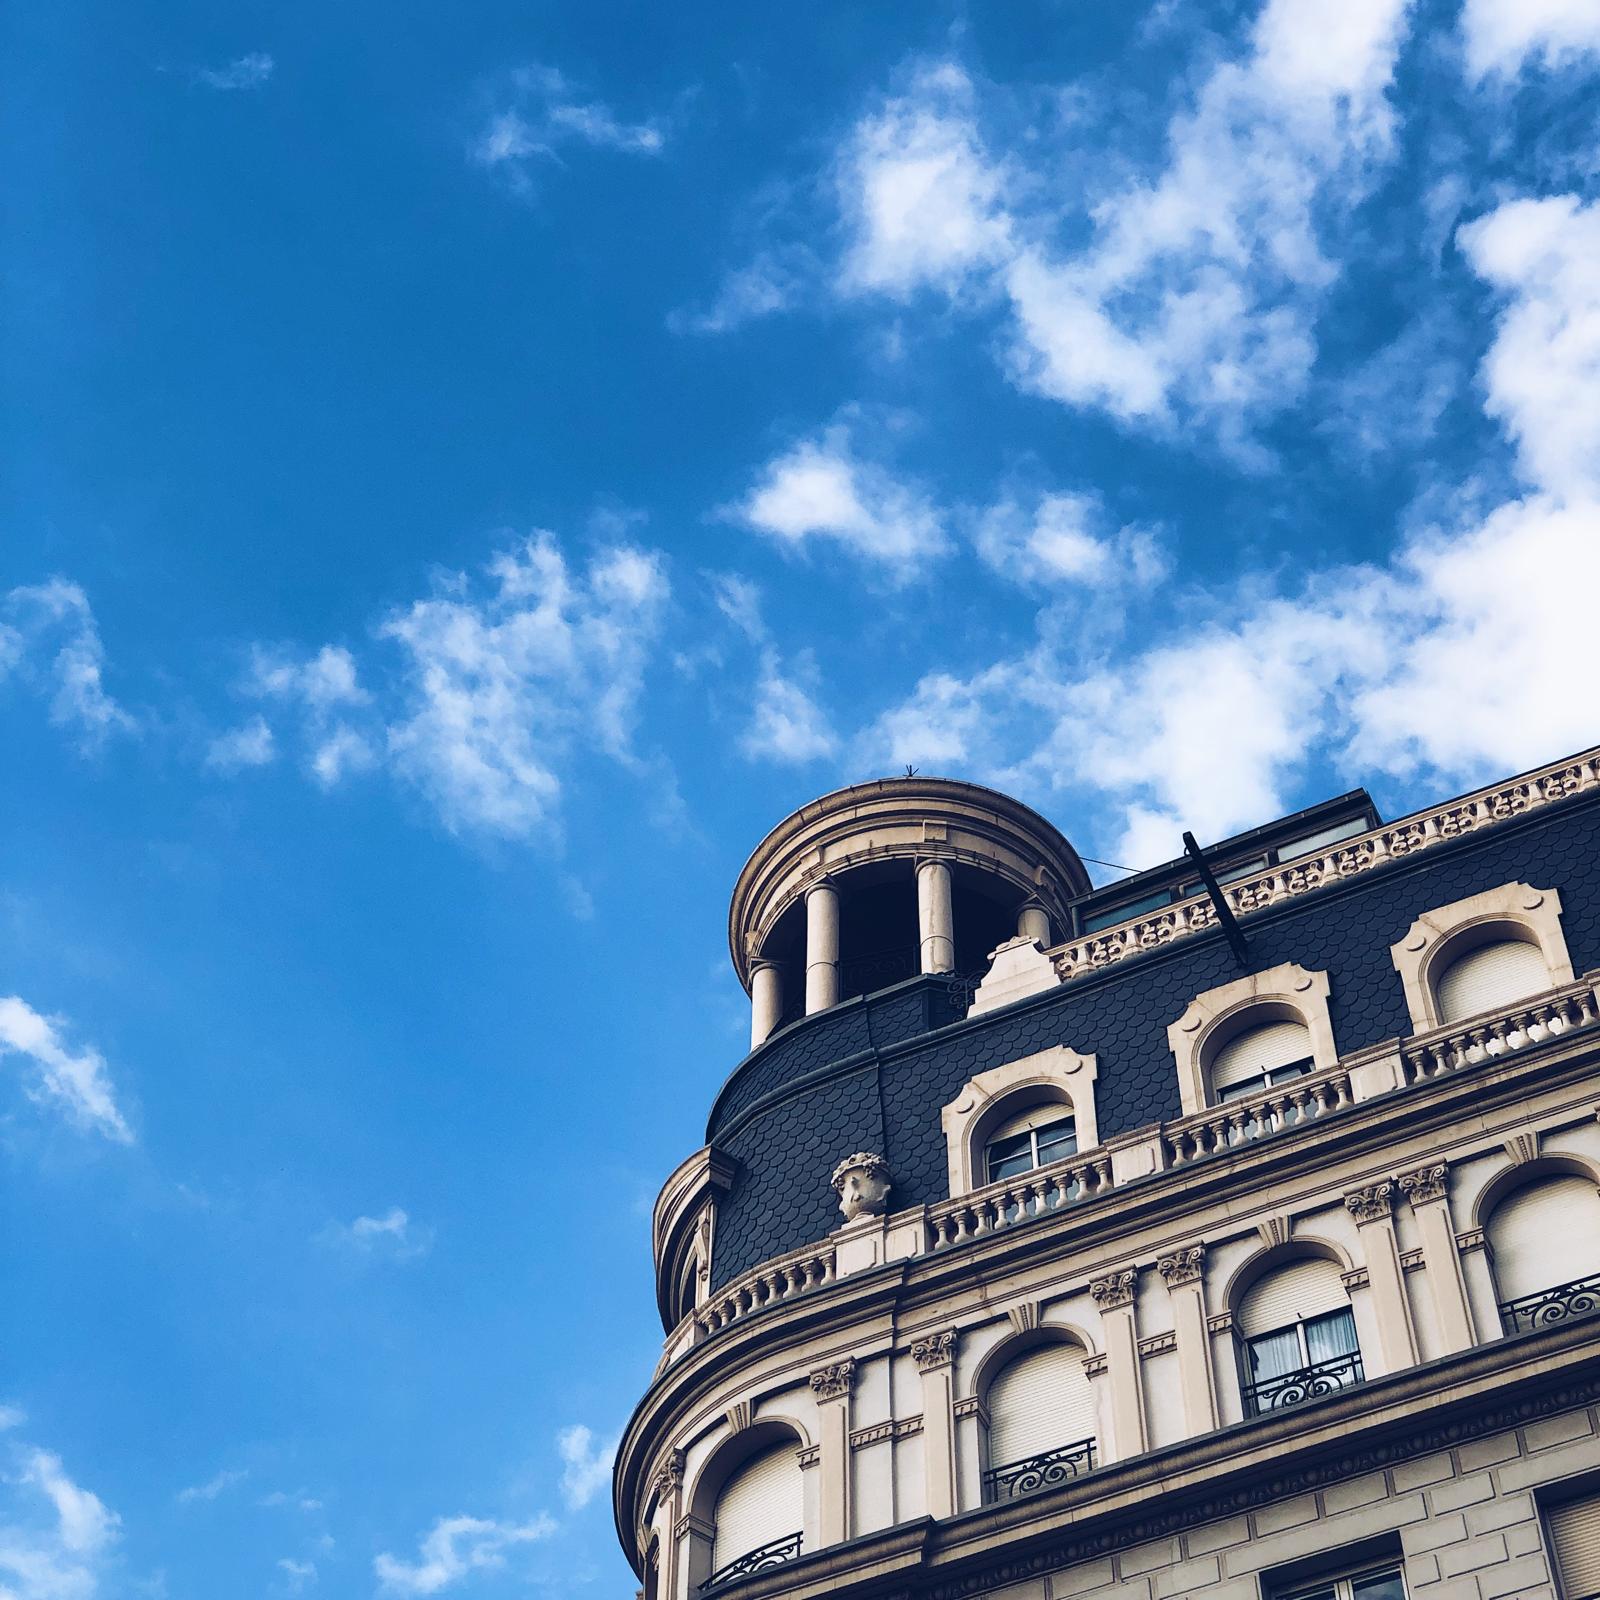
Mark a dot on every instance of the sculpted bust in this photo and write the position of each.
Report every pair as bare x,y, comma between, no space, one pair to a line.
862,1184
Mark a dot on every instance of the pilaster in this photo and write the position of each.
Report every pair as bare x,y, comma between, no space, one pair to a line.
1428,1191
1183,1273
1373,1210
935,1359
831,1386
1113,1296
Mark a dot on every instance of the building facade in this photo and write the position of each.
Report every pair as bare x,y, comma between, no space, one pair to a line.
1236,1239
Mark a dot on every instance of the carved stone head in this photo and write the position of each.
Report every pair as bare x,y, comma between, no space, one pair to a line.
862,1182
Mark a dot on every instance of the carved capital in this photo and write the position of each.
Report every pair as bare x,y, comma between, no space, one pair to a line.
1425,1184
1114,1290
669,1476
835,1382
1375,1203
937,1350
1182,1266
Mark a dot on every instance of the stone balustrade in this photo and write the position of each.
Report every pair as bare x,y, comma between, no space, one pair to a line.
1020,1199
1465,1044
1254,1116
782,1278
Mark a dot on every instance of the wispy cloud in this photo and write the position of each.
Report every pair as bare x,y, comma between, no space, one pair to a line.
393,1236
454,1549
49,641
213,1487
1503,38
77,1083
298,1576
237,750
585,1464
243,72
56,1537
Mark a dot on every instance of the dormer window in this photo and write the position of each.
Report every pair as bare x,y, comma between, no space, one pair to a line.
1032,1138
1260,1057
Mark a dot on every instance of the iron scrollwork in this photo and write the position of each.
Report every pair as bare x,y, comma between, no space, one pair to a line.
771,1554
1305,1383
1039,1472
1580,1298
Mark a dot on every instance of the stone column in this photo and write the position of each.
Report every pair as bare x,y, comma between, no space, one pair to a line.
1033,922
936,917
1113,1295
831,1386
1372,1208
670,1582
935,1359
766,999
1183,1272
1441,1261
822,946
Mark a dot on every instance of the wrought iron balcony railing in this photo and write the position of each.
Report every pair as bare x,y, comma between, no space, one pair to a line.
771,1554
1306,1383
1039,1472
1580,1298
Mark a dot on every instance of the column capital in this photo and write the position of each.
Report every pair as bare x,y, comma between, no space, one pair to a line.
1374,1203
834,1382
824,882
1425,1184
935,1351
1114,1290
1179,1267
669,1475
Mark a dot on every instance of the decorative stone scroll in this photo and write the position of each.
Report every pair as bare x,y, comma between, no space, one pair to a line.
1114,1290
937,1350
1425,1184
834,1382
1182,1266
1371,1204
669,1476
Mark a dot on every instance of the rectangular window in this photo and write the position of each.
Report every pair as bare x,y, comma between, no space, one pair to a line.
1326,836
1574,1528
1096,920
1385,1583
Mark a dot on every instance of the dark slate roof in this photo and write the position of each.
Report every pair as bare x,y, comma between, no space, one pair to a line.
872,1074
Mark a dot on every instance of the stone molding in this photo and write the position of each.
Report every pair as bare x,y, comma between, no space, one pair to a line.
1214,1017
1431,942
937,1350
834,1382
1374,1203
901,1428
1471,1239
1426,1184
1179,1267
1221,1323
1114,1290
1157,1344
972,1406
1355,1278
1413,1260
738,1416
1094,1366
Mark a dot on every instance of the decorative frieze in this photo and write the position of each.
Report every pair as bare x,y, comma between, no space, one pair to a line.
937,1350
972,1406
1425,1184
1221,1323
1375,1203
738,1415
834,1382
1024,1318
1114,1290
1412,1260
1158,1344
1179,1267
1471,1239
1356,1278
904,1428
809,1456
1094,1366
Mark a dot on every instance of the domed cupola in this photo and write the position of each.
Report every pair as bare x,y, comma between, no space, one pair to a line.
876,883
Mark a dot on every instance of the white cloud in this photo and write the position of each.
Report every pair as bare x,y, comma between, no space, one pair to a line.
786,724
455,1548
393,1235
586,1464
820,489
78,1083
1543,369
213,1487
243,72
48,638
771,282
500,686
55,1536
342,751
1064,539
298,1575
323,682
542,111
251,745
1503,36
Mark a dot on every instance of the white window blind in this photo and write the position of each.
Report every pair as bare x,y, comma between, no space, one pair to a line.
1040,1116
1491,976
1042,1401
761,1502
1258,1050
1575,1533
1545,1235
1291,1294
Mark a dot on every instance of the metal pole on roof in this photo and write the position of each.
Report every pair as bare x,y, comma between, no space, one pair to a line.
1230,923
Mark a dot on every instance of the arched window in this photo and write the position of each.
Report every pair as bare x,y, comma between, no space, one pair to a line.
1490,976
1042,1422
1297,1337
1546,1243
1031,1138
1258,1057
759,1514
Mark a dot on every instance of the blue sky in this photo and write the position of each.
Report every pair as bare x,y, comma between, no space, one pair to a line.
467,475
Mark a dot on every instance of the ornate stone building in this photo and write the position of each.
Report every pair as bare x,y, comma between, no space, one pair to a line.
1232,1231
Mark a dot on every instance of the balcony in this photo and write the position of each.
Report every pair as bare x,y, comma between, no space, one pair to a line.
772,1554
1303,1384
1580,1298
1044,1471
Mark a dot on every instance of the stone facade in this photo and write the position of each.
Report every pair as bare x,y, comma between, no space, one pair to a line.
870,1354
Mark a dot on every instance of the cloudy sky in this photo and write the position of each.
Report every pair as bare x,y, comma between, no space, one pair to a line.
467,475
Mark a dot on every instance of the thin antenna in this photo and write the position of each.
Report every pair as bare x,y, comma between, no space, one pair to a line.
911,771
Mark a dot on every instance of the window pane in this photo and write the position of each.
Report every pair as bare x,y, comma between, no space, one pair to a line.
1274,1354
1247,1086
1131,908
1315,841
1330,1336
1318,1594
1379,1586
1056,1141
1295,1069
1008,1157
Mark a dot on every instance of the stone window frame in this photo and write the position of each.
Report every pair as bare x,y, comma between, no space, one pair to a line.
1427,948
1288,992
738,1446
1057,1075
1015,1347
